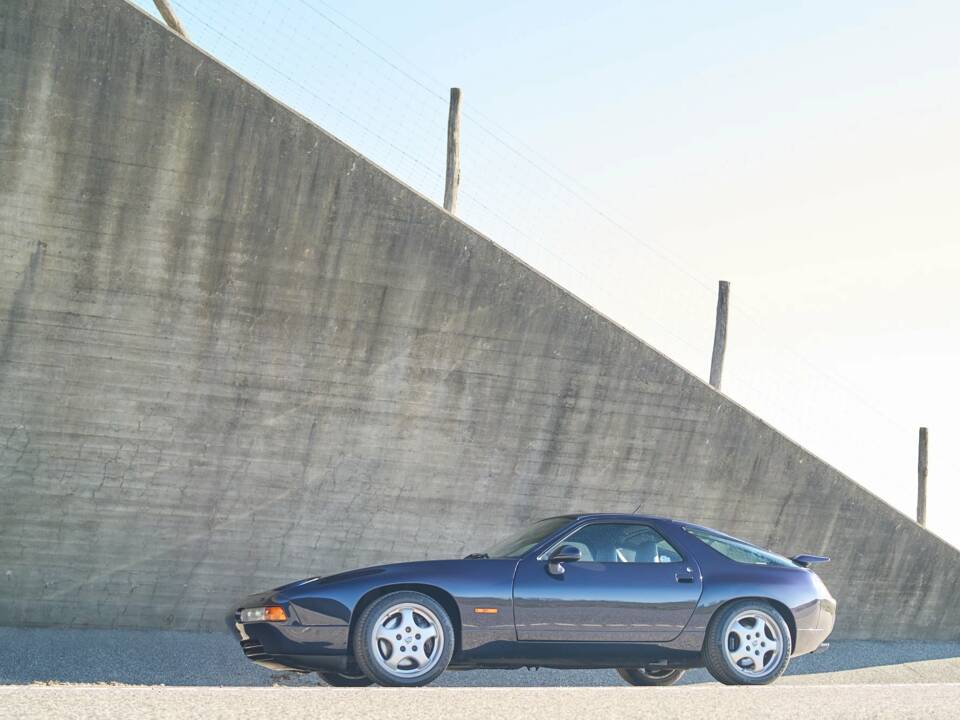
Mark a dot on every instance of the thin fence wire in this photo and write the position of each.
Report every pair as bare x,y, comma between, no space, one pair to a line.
316,60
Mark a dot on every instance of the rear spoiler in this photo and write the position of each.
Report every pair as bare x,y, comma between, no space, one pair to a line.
808,560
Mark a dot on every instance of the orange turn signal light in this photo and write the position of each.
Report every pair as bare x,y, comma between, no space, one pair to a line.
274,614
486,611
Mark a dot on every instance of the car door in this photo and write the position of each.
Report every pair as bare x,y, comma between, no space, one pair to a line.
630,585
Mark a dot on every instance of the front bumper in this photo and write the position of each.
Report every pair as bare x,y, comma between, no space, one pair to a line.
292,646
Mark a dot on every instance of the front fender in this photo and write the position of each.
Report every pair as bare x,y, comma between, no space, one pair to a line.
471,584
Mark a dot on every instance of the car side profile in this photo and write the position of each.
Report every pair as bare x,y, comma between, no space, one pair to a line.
647,596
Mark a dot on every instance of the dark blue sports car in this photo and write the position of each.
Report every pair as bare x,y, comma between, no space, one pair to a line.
647,596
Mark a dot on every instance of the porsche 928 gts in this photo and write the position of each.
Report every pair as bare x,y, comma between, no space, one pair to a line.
646,596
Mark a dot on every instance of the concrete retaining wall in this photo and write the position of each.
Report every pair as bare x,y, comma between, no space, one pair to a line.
234,352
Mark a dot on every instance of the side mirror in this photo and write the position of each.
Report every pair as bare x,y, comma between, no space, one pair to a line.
564,553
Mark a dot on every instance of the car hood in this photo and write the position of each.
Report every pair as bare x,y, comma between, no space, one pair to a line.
297,583
400,568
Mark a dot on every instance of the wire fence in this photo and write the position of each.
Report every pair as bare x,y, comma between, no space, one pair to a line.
355,86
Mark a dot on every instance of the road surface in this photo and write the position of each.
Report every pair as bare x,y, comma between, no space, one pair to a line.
148,674
690,702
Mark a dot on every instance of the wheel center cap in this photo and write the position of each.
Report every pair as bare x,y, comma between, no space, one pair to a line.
409,640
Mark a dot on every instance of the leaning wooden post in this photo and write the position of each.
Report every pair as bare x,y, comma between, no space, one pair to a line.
452,184
170,17
922,478
720,334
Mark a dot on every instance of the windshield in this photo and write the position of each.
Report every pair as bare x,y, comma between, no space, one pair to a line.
522,542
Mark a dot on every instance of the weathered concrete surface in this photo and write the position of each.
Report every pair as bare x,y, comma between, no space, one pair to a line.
233,352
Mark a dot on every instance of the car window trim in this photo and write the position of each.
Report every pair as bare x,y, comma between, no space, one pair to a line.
542,556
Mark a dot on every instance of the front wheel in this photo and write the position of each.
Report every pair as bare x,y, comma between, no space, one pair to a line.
404,639
335,679
747,643
651,676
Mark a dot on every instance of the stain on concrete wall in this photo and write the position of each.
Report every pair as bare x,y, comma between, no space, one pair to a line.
237,353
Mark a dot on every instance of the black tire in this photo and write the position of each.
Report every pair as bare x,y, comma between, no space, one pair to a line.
335,679
651,677
369,652
720,646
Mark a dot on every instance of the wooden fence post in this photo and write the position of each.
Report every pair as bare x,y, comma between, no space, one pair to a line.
171,18
452,184
922,478
720,334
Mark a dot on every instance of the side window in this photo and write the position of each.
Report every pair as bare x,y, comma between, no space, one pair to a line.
622,542
739,551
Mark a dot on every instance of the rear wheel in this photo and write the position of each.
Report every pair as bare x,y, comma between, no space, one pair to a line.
335,679
747,643
403,639
651,676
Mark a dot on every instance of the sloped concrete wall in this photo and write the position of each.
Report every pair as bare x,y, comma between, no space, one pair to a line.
233,352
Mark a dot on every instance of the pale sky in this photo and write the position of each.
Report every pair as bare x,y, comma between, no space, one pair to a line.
637,152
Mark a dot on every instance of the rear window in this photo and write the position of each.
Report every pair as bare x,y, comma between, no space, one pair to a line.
739,551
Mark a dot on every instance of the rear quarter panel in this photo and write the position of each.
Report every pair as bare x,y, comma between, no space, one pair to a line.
794,590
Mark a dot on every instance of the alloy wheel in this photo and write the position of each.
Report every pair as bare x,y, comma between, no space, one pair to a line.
753,643
407,640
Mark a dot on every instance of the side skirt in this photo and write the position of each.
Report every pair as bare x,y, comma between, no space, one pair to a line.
579,655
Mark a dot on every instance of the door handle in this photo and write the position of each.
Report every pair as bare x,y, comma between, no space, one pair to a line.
685,578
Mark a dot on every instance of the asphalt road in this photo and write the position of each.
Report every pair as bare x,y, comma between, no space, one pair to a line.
783,702
151,674
139,657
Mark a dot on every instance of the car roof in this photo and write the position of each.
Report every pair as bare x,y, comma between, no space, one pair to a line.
616,516
655,518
